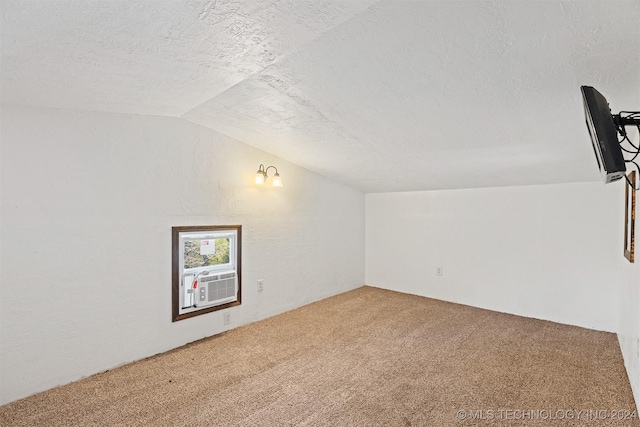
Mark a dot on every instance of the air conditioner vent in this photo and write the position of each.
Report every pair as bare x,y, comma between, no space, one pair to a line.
216,289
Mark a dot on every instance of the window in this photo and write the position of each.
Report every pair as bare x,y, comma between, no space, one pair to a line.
205,269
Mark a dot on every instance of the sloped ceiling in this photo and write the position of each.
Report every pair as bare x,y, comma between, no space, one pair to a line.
381,95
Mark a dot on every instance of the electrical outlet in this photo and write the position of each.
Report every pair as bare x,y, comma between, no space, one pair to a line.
260,285
438,271
226,318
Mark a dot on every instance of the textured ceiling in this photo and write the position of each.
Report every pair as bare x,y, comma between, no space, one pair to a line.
381,95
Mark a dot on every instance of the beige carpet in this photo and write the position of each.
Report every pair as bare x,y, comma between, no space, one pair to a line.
364,358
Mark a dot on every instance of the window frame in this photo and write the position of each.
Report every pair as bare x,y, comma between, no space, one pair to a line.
178,270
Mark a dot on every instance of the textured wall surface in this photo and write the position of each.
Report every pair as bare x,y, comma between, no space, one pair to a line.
422,95
162,57
550,252
381,95
629,323
629,308
88,202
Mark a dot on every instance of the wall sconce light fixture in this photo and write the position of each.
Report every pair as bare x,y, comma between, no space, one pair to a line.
261,176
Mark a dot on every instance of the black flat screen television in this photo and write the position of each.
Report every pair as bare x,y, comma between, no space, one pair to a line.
603,135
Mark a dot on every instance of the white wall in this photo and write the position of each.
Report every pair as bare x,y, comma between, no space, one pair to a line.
87,205
550,252
629,321
88,201
629,307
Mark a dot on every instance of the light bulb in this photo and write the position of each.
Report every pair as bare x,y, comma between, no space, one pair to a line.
277,181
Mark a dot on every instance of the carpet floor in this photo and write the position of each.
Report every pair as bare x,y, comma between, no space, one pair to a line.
369,357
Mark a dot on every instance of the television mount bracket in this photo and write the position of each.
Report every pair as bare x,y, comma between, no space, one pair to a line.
621,121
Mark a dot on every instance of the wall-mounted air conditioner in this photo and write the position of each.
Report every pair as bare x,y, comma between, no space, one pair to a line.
210,288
